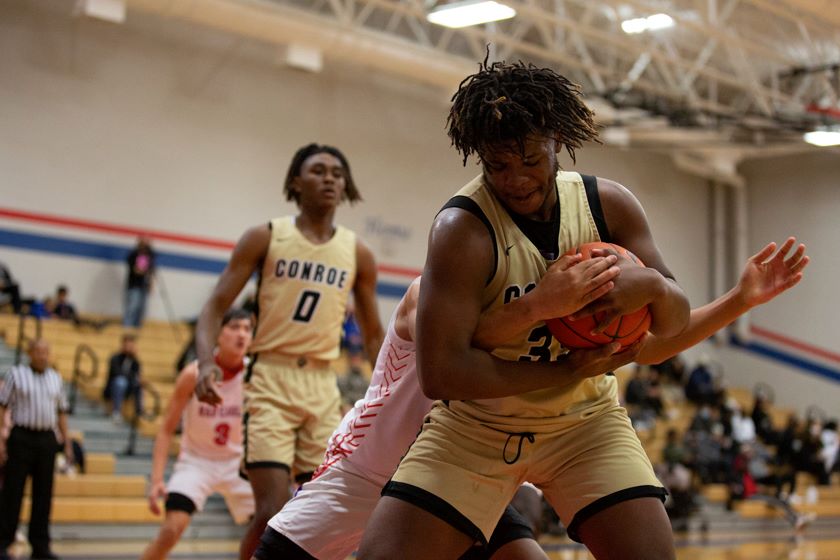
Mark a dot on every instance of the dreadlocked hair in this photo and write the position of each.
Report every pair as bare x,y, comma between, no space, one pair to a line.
504,103
351,193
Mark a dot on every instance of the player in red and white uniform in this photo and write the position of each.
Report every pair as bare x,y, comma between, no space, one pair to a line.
327,517
211,442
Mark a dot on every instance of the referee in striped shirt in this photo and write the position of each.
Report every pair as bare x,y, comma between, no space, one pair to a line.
35,396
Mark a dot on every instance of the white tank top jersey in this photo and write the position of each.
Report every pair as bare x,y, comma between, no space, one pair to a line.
215,432
378,431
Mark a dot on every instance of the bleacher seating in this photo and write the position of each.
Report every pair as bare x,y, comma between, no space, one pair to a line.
100,496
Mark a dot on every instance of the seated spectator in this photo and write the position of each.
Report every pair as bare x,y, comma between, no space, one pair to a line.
124,378
750,475
9,289
672,369
707,446
62,308
643,398
42,309
829,451
743,428
807,456
700,387
763,422
674,450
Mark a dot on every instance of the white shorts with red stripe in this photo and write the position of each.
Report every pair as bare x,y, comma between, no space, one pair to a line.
328,515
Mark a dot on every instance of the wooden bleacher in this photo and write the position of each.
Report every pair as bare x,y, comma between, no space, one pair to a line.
827,503
99,495
158,346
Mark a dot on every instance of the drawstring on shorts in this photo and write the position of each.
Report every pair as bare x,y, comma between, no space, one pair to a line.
522,436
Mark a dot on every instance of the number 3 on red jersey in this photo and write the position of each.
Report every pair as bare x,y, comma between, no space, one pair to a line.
222,431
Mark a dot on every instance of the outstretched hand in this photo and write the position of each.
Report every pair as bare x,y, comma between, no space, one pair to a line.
765,277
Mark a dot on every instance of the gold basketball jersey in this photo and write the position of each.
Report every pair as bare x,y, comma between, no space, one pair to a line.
303,290
519,267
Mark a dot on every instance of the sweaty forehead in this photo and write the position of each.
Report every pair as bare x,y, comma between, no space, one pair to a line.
321,158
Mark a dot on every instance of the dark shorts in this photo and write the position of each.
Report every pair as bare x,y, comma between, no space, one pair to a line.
179,502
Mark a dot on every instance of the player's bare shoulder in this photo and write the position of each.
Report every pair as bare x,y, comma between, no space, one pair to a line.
188,376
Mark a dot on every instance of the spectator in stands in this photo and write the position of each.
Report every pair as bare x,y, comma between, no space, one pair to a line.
644,390
672,369
700,387
674,450
828,453
124,372
743,428
9,289
706,444
750,475
62,308
807,458
42,309
787,449
141,270
35,395
763,422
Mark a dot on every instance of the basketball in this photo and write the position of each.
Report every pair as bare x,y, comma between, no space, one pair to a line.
625,329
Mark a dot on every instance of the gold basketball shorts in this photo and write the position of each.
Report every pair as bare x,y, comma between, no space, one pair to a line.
465,471
292,407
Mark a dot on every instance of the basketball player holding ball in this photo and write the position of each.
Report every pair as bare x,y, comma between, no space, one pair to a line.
591,331
326,517
500,418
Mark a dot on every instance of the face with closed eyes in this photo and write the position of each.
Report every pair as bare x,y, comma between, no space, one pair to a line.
321,181
524,179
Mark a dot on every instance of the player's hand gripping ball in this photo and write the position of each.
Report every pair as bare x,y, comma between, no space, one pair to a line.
625,329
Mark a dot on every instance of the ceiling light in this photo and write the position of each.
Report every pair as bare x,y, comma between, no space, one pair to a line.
823,137
470,12
650,23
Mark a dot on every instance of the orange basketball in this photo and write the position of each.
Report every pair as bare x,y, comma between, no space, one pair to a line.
625,329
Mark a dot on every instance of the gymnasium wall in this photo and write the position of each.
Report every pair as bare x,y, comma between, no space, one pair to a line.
157,126
186,134
793,344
